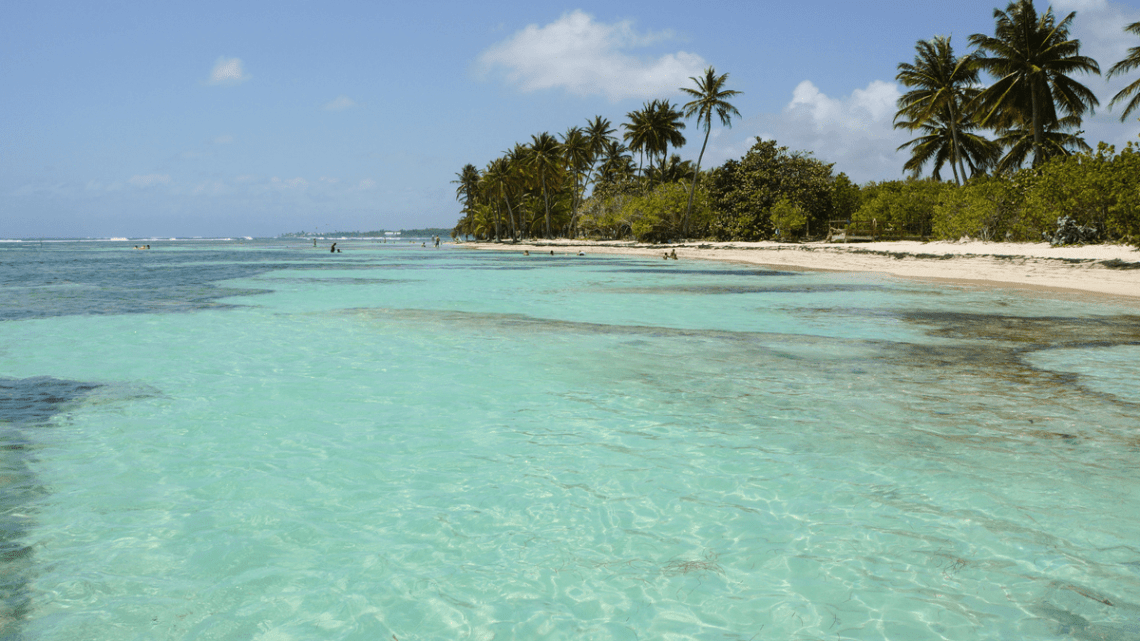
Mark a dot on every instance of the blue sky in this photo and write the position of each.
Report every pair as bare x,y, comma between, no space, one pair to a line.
219,119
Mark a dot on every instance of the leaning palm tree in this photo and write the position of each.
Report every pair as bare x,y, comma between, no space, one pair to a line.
544,156
1129,63
1031,57
709,98
942,84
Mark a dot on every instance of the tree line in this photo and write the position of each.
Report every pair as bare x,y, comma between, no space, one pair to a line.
1014,148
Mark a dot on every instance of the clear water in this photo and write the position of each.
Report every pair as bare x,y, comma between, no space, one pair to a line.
266,441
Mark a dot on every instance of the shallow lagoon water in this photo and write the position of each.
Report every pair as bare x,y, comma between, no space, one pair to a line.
266,441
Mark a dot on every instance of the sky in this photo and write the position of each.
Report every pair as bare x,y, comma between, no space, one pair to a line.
145,119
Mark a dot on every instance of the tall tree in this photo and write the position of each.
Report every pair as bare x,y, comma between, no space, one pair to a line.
638,134
942,84
709,98
544,156
1031,57
666,125
576,156
616,163
1130,62
467,192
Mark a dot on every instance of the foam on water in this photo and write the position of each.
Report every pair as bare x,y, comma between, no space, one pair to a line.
435,444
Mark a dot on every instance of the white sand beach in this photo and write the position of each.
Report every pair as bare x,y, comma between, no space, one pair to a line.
1112,270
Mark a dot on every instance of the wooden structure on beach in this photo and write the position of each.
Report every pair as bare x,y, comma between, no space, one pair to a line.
847,231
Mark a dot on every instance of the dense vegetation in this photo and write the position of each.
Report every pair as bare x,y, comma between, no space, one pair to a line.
1019,166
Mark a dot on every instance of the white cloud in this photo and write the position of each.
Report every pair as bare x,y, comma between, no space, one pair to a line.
224,139
856,132
228,71
340,103
149,180
367,183
585,58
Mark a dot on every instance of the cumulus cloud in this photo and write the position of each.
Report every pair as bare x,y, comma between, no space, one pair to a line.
856,131
149,180
228,71
585,58
340,103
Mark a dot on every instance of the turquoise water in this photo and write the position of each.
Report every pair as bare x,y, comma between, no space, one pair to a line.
266,441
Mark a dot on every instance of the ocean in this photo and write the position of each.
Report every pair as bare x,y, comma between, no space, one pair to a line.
237,439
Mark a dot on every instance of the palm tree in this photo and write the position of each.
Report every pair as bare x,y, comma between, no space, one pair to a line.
639,131
675,170
616,163
1031,58
666,125
942,85
949,142
544,156
1056,141
468,189
1129,63
598,132
577,157
710,97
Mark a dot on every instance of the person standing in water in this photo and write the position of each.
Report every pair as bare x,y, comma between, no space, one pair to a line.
332,250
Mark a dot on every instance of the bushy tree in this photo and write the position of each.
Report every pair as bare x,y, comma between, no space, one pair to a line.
900,208
1100,188
985,208
743,192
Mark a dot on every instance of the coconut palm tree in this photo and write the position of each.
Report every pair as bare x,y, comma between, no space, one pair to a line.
639,132
1130,62
616,163
709,98
544,157
1058,140
675,170
1031,56
577,157
666,126
467,192
944,143
942,84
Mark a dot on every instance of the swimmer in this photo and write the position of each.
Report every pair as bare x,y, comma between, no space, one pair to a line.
552,252
674,256
665,255
526,252
581,253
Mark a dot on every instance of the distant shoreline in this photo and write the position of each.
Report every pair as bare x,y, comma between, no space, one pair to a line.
1112,270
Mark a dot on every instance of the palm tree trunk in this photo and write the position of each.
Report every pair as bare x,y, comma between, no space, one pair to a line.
956,161
693,188
511,217
1036,130
545,202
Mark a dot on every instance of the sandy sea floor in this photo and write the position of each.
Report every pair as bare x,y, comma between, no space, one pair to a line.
1095,269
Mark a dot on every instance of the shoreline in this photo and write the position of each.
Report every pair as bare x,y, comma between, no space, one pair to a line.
1112,270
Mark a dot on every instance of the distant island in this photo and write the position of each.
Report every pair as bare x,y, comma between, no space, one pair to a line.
382,233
